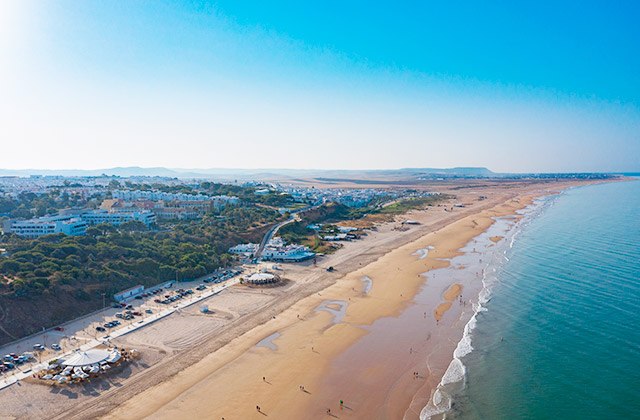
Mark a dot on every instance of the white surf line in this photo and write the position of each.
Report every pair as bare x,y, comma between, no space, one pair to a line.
18,376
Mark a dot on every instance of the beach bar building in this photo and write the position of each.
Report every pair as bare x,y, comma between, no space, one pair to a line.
87,358
262,278
81,365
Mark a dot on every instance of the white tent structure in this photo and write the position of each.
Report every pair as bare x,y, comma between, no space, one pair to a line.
86,358
262,278
114,356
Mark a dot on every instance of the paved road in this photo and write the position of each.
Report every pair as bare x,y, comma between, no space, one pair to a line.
17,375
267,237
270,234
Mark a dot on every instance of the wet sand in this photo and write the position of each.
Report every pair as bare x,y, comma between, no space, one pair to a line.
368,359
213,367
452,292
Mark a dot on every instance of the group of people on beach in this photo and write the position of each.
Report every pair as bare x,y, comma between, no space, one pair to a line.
303,389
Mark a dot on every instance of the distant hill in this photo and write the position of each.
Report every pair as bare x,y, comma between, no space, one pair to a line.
461,171
362,176
122,172
258,174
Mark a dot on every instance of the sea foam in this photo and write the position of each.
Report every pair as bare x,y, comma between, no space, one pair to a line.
441,400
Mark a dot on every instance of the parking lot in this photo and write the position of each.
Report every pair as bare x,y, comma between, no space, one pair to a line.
21,356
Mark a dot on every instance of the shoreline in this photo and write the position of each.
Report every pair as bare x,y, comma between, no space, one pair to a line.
365,288
546,281
298,348
453,378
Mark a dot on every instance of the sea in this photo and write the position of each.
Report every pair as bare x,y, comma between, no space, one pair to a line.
556,333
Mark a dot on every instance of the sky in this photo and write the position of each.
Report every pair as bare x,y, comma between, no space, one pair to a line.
541,86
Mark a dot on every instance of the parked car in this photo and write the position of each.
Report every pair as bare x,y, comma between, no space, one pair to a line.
56,347
138,297
38,347
59,329
149,311
101,329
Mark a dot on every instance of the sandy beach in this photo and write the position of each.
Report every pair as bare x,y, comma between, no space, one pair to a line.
373,383
374,334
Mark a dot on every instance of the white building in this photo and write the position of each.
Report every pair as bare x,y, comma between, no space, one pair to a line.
289,253
95,217
219,200
277,250
34,228
336,237
74,223
244,249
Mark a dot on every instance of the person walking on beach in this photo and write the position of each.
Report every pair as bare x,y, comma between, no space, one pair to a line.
341,404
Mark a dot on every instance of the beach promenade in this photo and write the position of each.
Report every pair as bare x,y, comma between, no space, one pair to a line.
20,374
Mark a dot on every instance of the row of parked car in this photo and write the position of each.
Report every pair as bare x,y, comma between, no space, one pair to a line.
11,360
223,275
130,314
110,324
149,293
179,294
40,347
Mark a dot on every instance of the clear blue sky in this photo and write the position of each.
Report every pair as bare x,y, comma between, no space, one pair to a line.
514,86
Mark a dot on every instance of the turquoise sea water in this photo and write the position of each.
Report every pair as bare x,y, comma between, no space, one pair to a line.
560,338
